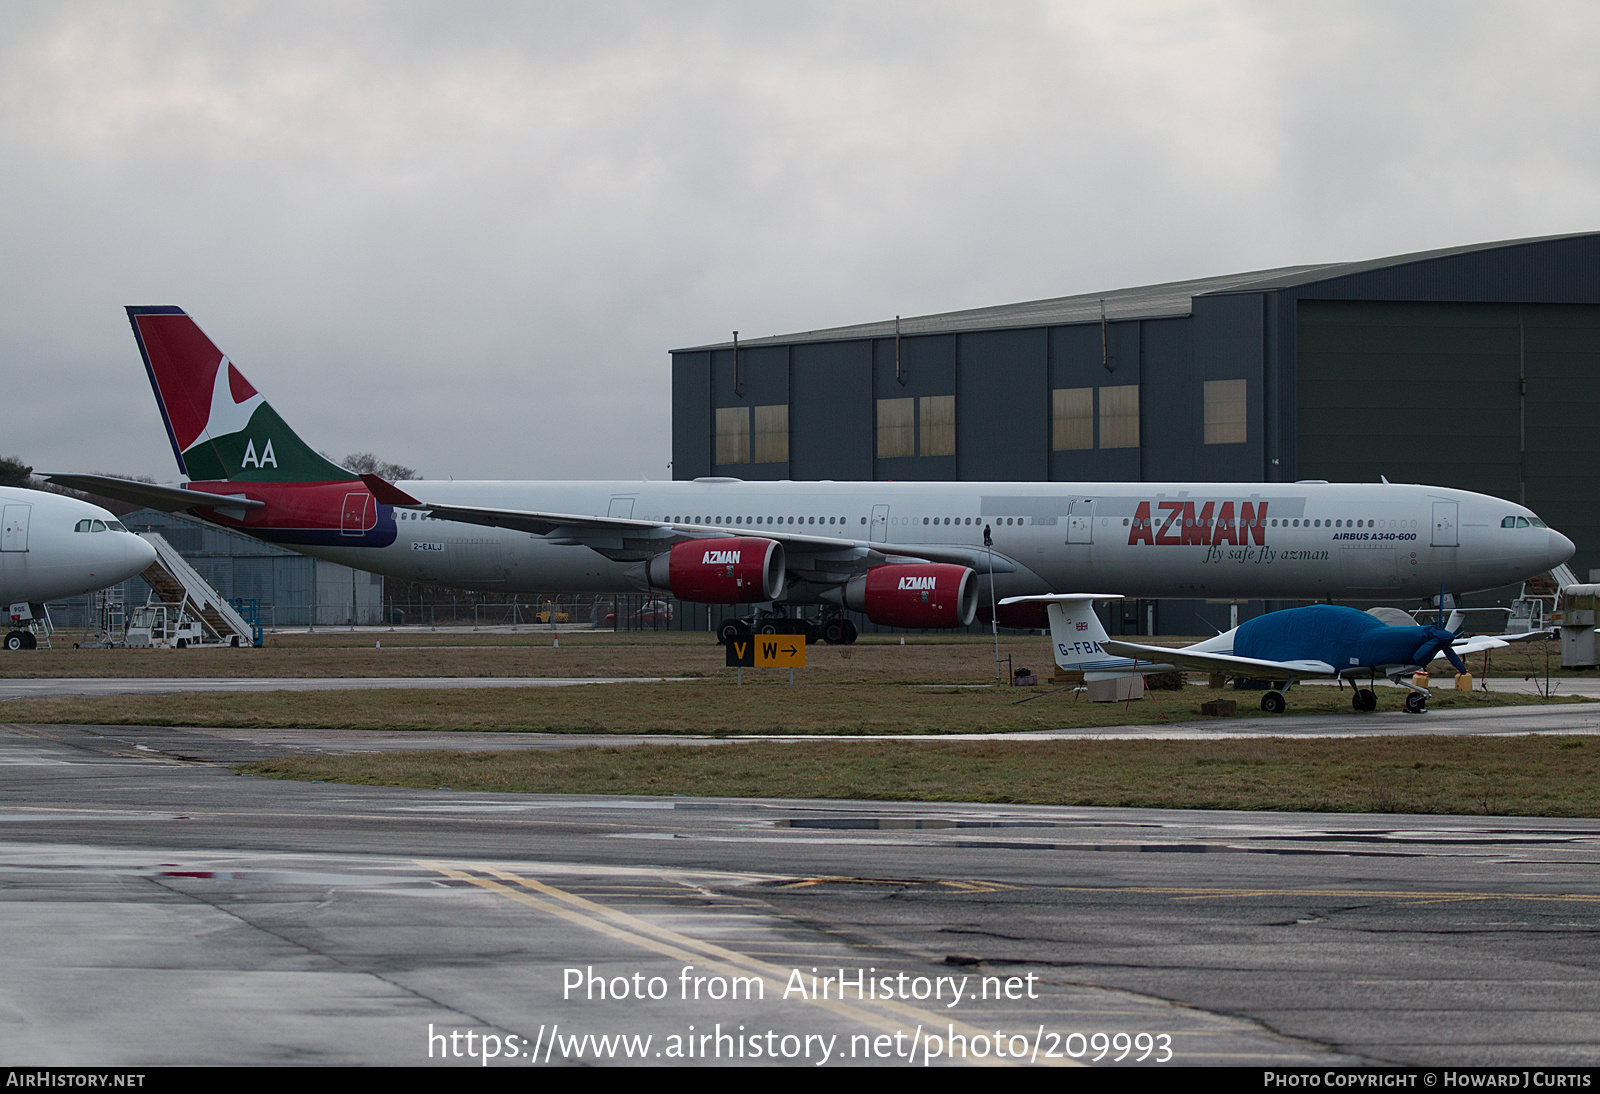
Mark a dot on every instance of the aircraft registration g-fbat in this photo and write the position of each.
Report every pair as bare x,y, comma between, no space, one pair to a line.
52,546
1317,642
905,554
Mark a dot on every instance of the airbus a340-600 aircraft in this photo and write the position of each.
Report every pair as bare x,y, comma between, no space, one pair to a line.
904,554
53,546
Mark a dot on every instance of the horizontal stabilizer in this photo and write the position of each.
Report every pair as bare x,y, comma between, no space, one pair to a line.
168,499
387,492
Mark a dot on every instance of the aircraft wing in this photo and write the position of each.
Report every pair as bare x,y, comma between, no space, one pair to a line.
1478,645
1252,667
168,499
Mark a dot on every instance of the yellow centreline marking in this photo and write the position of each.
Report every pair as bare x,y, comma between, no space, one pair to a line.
680,947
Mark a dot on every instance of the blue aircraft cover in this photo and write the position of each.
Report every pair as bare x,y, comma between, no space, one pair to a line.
1321,632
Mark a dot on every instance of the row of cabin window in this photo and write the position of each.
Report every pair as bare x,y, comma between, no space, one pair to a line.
926,426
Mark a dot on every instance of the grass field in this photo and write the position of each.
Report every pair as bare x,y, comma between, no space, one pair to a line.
1532,776
464,652
931,685
764,704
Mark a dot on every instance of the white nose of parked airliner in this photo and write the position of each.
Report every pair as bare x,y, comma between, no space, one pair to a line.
1561,549
135,556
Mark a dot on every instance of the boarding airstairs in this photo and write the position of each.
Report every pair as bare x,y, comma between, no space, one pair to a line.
176,584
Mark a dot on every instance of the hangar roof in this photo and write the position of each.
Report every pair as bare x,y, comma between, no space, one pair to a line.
1168,300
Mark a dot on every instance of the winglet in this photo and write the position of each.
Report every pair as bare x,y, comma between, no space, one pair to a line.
387,492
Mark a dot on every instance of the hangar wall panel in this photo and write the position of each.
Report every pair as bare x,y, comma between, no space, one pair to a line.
1418,392
1171,425
1078,360
1228,345
691,415
927,368
830,411
1561,344
1003,406
762,379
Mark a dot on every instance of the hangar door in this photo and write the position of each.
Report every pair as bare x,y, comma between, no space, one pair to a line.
1503,399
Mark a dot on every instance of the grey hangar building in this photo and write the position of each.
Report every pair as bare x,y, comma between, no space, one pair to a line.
1476,367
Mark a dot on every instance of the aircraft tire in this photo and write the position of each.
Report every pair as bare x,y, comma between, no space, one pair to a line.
1416,704
847,632
1273,702
732,631
832,631
14,641
767,628
1364,700
30,641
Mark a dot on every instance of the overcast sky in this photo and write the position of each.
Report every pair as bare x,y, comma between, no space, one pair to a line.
464,236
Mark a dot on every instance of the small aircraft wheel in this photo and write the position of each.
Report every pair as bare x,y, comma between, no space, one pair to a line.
731,631
1364,699
847,632
1416,704
14,640
1273,702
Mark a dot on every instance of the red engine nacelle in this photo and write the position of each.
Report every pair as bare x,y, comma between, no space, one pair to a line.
924,594
734,570
1021,616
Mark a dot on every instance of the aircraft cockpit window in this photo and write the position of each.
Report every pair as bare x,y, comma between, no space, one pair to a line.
1522,522
1537,523
98,526
81,526
1508,522
115,526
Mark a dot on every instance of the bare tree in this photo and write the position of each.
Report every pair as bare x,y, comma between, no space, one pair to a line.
365,463
13,472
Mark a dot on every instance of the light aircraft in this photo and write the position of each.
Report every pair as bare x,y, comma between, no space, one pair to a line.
52,546
906,554
1317,642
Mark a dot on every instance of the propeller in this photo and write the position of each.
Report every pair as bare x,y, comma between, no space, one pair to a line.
1438,641
1441,638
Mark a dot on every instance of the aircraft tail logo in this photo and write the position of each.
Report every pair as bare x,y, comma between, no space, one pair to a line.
219,425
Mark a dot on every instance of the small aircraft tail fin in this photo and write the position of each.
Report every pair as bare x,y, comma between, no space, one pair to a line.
1076,634
219,425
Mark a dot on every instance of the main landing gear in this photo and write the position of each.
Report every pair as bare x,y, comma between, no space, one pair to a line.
1365,700
835,630
21,640
1273,702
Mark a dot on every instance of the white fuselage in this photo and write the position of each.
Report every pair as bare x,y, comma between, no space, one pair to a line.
44,555
1201,540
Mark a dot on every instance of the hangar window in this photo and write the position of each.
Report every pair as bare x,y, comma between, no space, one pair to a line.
733,434
938,425
1225,411
771,440
1071,418
1119,417
897,435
